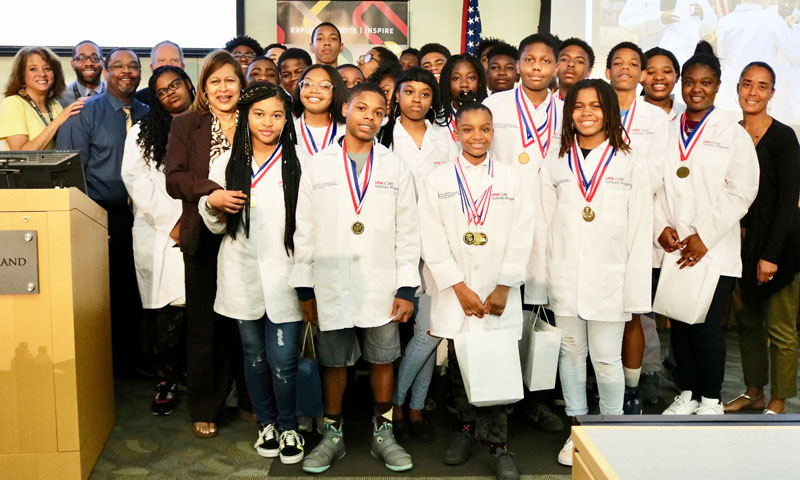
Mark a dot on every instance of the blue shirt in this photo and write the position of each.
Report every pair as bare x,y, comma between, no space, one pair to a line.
98,133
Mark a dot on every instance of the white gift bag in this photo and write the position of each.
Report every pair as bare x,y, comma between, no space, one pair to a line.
685,294
539,348
489,364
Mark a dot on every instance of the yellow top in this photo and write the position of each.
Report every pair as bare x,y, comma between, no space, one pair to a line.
17,117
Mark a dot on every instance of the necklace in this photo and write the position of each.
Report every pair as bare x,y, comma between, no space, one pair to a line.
762,129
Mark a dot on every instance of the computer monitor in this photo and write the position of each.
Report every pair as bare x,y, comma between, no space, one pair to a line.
42,169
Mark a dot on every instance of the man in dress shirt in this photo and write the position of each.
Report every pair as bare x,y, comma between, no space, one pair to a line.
87,61
163,53
98,133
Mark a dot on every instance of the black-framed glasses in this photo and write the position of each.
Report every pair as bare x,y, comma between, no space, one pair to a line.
172,87
368,57
94,58
324,86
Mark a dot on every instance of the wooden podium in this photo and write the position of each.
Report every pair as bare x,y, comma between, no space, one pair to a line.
56,386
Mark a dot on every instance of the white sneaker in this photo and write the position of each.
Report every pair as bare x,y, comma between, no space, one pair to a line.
292,444
565,455
683,405
267,444
709,406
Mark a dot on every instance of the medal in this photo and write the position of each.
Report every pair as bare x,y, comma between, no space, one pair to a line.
260,172
357,192
687,143
588,213
524,158
627,121
529,131
308,139
589,187
476,211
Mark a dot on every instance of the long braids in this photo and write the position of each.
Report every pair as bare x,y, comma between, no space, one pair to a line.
238,174
609,104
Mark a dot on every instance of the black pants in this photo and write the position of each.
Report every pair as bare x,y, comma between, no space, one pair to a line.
126,305
166,333
700,349
213,345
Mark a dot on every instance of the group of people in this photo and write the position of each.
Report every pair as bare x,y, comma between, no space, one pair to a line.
278,195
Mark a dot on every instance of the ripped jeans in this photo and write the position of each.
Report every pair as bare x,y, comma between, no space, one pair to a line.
602,341
270,369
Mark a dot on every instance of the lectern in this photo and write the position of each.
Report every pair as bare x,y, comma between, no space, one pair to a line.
56,386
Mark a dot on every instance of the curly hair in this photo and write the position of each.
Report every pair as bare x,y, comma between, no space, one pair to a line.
247,42
155,125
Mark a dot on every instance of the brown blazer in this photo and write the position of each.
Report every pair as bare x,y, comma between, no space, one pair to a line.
186,169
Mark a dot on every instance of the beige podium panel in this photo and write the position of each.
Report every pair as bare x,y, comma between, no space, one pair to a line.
56,386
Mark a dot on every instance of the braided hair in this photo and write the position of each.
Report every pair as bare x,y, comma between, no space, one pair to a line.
238,172
155,125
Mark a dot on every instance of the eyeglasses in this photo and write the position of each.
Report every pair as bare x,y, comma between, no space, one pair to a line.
121,66
172,87
94,58
241,55
324,87
368,57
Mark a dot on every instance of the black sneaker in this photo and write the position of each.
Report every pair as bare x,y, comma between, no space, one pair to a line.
544,418
164,401
461,448
401,430
632,404
422,431
267,444
648,388
505,467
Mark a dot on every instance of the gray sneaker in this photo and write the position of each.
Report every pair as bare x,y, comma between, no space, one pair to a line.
385,447
330,448
505,467
461,448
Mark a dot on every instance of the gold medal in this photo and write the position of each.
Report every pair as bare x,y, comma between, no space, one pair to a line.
524,158
469,238
682,172
484,239
357,227
252,200
588,213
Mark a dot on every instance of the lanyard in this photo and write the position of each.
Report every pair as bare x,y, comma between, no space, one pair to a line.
627,121
39,112
451,126
89,91
687,144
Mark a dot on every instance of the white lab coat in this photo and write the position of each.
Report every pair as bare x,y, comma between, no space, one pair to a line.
599,270
306,151
648,136
437,149
253,272
501,261
675,112
355,277
507,146
158,260
722,183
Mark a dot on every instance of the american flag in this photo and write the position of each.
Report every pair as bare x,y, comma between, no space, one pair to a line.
470,27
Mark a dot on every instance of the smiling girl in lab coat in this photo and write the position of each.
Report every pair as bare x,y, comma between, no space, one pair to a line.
595,247
255,208
317,108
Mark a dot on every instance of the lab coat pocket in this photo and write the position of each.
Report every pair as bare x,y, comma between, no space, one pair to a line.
615,205
612,289
385,210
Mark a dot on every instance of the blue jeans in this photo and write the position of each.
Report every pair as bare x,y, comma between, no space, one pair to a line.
270,369
416,367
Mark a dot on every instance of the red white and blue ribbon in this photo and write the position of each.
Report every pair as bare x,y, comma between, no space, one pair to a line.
451,125
687,143
311,146
357,192
627,121
261,172
589,186
476,210
528,130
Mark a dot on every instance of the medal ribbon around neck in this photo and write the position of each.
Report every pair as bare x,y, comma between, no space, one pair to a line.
627,121
526,121
357,192
686,145
477,212
451,125
266,166
330,135
589,187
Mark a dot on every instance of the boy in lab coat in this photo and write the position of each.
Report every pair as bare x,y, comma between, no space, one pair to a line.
357,255
476,221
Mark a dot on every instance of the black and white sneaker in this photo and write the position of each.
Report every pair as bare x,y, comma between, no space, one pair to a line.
164,401
267,444
291,447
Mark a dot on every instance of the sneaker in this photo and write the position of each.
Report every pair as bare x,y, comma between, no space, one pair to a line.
683,405
709,406
462,447
330,448
267,444
505,467
305,424
430,404
632,403
291,447
401,430
543,418
385,447
565,455
648,388
164,400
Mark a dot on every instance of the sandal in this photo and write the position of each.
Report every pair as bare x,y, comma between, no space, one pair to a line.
199,433
744,402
